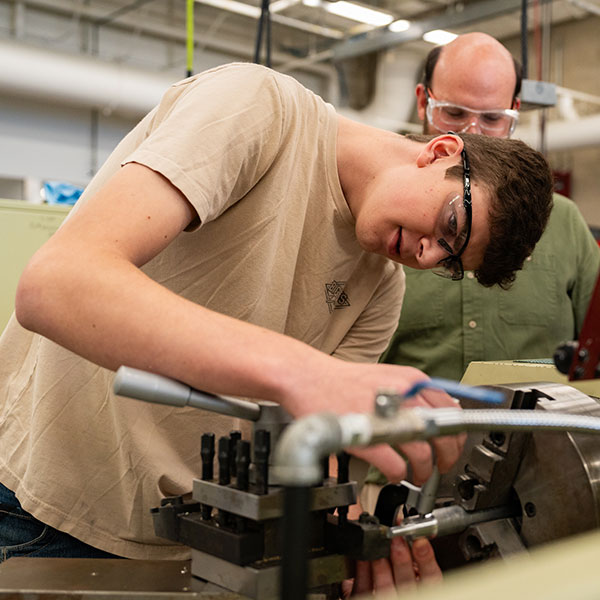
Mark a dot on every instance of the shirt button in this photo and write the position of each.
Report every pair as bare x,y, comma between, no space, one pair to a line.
472,324
470,275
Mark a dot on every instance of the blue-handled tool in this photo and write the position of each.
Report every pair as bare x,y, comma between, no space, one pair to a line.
457,389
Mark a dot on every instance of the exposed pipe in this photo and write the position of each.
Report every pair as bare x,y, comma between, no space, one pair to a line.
112,88
524,52
307,441
587,6
78,80
89,82
564,135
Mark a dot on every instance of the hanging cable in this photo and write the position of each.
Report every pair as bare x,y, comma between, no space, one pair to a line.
537,37
537,44
264,26
545,27
190,38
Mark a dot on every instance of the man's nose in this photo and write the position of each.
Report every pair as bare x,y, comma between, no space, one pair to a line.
430,252
473,126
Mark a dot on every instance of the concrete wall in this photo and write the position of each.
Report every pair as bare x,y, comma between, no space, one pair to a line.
575,64
45,141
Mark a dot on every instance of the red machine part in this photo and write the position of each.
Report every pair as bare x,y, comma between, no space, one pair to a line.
586,355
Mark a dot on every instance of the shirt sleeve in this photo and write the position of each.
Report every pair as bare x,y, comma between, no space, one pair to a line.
215,135
371,332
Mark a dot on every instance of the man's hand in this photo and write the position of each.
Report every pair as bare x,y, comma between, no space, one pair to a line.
351,387
403,570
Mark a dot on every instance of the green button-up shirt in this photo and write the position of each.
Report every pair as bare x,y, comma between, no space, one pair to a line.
446,324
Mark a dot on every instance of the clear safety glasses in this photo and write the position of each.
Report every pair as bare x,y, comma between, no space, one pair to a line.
446,116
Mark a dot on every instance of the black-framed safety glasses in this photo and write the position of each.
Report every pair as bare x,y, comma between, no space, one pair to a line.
451,267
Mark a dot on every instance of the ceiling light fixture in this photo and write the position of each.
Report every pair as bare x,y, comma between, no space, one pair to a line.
439,37
399,25
355,12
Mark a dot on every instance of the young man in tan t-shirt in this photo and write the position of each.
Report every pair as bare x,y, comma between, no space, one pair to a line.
246,240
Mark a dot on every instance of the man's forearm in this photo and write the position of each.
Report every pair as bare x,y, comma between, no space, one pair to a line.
111,313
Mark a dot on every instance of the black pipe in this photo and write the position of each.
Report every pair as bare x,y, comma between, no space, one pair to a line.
524,37
294,561
264,23
267,17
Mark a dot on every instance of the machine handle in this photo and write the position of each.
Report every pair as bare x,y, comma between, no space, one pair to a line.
150,387
458,390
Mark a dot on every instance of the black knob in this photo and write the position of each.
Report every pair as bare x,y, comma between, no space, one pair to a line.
563,356
262,448
224,472
207,453
234,437
242,463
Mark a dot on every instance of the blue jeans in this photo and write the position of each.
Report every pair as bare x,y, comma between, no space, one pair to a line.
21,534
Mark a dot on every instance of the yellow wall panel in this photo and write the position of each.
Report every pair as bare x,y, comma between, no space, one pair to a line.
24,228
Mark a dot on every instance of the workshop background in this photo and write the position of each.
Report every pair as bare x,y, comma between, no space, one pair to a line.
76,75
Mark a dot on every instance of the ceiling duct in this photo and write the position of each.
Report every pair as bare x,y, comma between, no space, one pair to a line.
75,80
393,102
111,88
563,135
89,82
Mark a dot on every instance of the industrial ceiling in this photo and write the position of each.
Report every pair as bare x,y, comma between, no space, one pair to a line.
304,33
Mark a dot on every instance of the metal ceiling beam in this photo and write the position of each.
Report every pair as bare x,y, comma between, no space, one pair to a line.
382,39
587,6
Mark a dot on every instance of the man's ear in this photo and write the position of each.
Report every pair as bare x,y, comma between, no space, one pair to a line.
516,104
441,146
421,94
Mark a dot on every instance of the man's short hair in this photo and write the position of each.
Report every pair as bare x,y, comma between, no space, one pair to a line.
519,181
434,55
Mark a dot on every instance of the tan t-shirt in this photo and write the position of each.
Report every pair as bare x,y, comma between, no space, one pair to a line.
254,153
